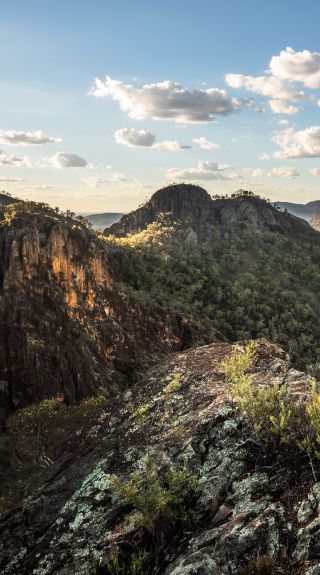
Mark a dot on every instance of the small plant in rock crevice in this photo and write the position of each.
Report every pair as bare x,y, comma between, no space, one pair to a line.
158,498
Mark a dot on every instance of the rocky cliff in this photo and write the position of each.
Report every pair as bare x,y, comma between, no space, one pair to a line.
209,219
315,221
64,327
255,505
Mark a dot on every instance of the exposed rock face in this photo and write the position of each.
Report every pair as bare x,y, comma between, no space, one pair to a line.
64,329
208,218
248,505
315,221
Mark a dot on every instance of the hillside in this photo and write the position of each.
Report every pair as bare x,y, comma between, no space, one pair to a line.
238,266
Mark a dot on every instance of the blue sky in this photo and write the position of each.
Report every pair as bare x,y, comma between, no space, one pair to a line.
200,91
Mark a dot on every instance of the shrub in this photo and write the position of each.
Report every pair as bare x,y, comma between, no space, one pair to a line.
268,409
158,498
134,565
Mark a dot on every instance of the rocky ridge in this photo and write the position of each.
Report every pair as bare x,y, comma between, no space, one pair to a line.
250,503
209,219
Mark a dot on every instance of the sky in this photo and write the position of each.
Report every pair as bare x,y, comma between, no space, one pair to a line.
104,102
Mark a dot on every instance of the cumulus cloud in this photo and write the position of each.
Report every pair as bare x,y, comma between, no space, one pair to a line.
279,172
283,172
300,144
67,160
281,107
301,66
26,138
143,139
6,160
134,138
279,83
263,156
264,85
208,171
283,122
314,171
167,101
205,144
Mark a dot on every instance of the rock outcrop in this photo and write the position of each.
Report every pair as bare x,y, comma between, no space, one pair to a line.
64,328
315,221
251,502
210,218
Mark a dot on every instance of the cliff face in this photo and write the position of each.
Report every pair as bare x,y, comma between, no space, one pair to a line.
64,329
315,221
252,501
210,219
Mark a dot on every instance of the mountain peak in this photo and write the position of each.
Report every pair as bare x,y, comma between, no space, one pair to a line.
193,207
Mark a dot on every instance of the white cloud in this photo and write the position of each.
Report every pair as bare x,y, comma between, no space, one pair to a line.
143,139
297,66
170,145
255,172
6,160
263,156
167,101
116,178
314,171
283,122
205,144
301,144
25,138
6,179
203,171
67,160
134,138
96,182
279,172
281,107
284,172
265,85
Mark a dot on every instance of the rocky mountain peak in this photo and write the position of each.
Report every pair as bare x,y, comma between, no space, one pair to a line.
210,218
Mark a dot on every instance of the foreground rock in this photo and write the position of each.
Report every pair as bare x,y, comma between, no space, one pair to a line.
251,502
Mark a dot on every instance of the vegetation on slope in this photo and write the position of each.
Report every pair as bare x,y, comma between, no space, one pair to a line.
241,287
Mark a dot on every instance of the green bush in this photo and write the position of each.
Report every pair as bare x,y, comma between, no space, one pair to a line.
156,497
268,410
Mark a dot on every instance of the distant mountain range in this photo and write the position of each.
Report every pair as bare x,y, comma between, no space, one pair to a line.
304,211
103,220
